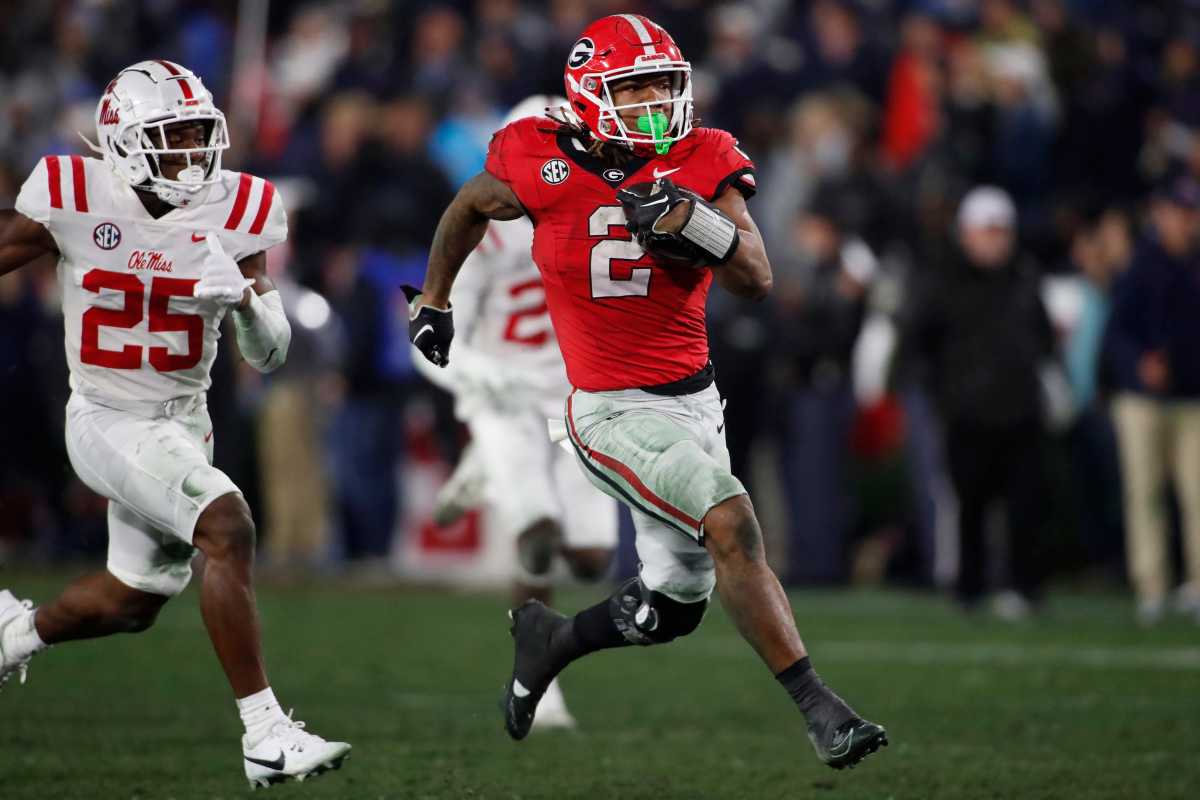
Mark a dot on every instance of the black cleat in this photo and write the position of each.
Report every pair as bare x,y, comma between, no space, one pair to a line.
849,743
533,666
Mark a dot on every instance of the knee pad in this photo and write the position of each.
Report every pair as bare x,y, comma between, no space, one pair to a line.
647,617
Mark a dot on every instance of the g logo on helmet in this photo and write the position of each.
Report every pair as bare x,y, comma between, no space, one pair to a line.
581,53
555,171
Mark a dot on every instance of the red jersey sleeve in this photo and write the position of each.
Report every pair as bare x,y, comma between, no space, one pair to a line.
513,157
731,166
497,163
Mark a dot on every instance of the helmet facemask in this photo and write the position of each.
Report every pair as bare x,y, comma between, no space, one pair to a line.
145,144
655,128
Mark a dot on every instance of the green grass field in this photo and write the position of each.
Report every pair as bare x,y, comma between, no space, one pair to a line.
1078,704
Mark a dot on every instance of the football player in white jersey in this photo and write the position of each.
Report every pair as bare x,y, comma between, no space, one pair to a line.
508,378
155,244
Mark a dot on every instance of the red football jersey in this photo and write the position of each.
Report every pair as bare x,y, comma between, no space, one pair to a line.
624,318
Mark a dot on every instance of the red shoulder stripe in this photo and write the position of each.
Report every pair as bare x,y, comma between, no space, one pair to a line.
79,177
54,176
264,207
239,203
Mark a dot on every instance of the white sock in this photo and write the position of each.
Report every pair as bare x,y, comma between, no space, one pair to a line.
259,712
21,638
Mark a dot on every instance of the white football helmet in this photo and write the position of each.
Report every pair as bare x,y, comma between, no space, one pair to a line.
536,105
145,99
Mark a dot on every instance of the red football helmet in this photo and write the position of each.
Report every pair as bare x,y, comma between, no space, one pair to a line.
615,47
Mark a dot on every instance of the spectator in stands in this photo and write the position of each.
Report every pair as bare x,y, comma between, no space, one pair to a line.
978,327
820,291
1154,346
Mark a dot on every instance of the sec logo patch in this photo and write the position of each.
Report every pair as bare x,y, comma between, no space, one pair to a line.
555,171
106,236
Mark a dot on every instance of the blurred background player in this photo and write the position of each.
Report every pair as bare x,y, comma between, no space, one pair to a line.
141,239
508,379
644,416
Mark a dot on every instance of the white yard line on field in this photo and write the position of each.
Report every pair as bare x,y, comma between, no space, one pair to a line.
926,653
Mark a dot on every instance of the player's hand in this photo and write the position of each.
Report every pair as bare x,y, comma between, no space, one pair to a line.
648,211
220,278
429,329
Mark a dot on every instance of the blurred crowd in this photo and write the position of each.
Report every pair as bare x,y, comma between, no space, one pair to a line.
982,217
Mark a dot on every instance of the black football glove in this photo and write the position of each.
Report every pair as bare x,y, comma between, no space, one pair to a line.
707,236
429,329
644,205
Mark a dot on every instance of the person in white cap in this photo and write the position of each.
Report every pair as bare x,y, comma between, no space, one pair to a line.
978,325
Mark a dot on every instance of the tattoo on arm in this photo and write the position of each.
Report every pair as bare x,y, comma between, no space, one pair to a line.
463,224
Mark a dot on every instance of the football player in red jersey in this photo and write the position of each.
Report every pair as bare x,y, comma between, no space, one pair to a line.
635,213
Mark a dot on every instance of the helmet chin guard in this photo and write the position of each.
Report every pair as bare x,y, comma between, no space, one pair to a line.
132,118
623,46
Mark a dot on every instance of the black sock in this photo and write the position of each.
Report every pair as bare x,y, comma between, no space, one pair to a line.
592,629
810,694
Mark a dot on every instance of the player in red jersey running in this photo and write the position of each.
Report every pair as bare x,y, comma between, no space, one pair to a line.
635,213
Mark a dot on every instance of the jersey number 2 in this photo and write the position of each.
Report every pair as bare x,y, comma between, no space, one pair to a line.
610,250
161,320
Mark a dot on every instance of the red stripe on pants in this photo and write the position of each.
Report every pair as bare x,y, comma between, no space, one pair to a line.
628,474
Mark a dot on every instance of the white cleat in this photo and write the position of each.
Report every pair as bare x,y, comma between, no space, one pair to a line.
462,491
11,610
552,710
289,752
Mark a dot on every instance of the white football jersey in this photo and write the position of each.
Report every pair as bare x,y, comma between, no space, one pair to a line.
502,321
133,330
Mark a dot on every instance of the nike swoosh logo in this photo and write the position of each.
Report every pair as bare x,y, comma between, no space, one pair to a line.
196,238
841,748
425,329
519,690
664,173
721,427
270,355
655,202
277,764
208,436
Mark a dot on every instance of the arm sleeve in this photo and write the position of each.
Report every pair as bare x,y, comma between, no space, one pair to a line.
34,198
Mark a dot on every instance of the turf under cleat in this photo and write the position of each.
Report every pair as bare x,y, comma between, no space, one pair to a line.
11,611
849,743
288,752
532,626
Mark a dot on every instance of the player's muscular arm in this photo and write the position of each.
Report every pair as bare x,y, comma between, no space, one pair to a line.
463,224
748,272
22,241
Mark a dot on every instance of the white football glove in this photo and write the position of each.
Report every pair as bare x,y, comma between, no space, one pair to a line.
220,278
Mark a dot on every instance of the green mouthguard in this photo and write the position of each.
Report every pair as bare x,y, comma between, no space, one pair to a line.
656,125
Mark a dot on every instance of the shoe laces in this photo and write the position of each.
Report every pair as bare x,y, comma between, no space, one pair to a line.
292,733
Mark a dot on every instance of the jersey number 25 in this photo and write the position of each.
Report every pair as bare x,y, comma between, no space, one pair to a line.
161,320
